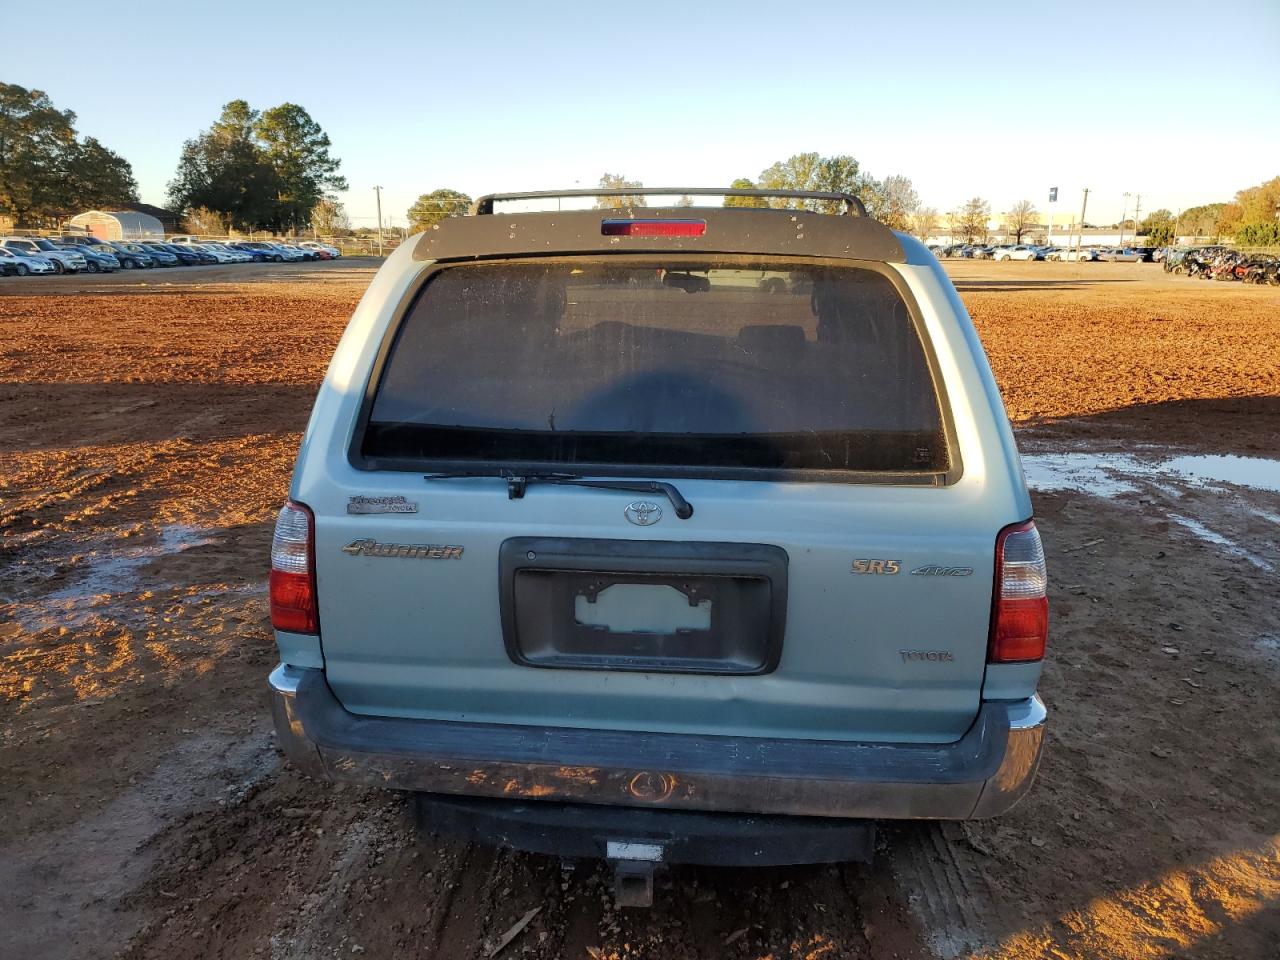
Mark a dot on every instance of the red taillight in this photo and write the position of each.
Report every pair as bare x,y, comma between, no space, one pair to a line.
653,228
293,571
1020,612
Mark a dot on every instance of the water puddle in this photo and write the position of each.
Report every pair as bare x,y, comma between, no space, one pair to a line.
103,573
1253,472
1112,474
1218,540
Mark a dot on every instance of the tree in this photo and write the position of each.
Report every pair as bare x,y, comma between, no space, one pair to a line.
971,220
1158,228
1020,218
742,183
617,181
98,177
46,172
224,170
329,217
263,170
430,208
809,171
1202,221
1260,204
924,223
204,222
297,149
892,200
1254,216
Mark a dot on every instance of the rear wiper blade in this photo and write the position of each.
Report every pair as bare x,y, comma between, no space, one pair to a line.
518,482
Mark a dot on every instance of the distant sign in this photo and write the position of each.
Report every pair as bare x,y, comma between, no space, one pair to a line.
1053,194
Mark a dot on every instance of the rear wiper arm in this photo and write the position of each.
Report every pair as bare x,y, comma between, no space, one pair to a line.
518,482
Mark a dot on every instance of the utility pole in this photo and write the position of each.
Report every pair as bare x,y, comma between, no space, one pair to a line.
1137,217
378,192
1053,198
1080,236
1124,210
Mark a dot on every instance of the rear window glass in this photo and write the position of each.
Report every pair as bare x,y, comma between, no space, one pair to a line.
659,363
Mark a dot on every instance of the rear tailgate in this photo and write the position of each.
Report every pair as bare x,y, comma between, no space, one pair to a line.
879,656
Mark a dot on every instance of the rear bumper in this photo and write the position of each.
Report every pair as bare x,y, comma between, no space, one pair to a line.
982,774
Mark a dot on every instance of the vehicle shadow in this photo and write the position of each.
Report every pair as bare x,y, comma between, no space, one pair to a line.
1025,283
64,415
1245,425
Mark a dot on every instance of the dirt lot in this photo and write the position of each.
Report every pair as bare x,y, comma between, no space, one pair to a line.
150,423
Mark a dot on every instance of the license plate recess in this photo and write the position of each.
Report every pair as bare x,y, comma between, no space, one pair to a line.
547,584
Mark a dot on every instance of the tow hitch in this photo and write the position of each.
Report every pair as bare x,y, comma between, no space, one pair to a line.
633,867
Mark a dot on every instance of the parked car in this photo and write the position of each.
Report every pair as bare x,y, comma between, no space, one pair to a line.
95,260
161,256
261,252
26,263
312,252
1070,255
1119,255
63,260
214,250
188,256
600,537
1147,254
290,254
8,267
1021,251
301,252
131,256
981,253
234,255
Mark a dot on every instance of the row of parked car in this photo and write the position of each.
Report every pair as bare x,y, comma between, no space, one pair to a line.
33,256
1031,251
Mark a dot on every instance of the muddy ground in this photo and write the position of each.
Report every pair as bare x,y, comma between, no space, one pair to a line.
149,427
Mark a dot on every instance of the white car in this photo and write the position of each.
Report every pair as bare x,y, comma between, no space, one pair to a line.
64,261
222,254
237,256
314,245
27,264
1068,255
1023,251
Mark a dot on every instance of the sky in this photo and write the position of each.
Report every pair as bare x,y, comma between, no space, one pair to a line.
989,99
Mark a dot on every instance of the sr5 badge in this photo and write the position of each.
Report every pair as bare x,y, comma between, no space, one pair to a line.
887,567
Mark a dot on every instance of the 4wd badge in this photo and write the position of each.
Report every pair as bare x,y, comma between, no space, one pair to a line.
643,513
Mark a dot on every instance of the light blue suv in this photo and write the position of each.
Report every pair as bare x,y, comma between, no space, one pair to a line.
663,534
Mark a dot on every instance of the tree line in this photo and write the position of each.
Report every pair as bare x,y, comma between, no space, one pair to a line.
47,170
274,170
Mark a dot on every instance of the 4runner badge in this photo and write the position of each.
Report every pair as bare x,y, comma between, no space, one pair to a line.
412,551
643,513
380,505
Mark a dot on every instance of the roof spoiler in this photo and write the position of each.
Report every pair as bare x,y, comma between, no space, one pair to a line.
853,205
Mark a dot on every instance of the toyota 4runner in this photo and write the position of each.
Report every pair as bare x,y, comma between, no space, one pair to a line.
663,534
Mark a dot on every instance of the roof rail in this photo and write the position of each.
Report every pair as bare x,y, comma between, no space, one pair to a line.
852,204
